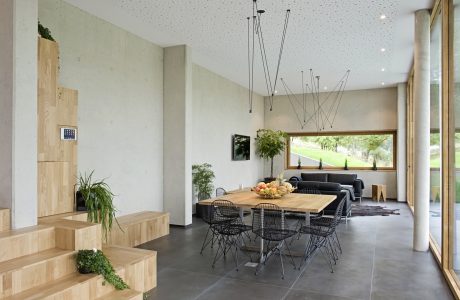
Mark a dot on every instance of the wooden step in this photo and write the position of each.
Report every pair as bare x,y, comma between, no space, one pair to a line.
127,294
130,264
25,241
5,221
139,228
77,235
140,265
75,216
23,273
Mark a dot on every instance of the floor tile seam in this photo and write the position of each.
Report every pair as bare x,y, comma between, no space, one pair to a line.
320,293
209,288
373,263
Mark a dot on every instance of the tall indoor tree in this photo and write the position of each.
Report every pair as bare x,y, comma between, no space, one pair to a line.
270,143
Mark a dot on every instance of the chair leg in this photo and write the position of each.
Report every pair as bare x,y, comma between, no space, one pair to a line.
220,240
327,257
205,239
282,265
290,255
338,241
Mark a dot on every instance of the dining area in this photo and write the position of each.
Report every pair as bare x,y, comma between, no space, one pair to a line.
251,230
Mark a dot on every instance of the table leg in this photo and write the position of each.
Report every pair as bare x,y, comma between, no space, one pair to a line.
262,258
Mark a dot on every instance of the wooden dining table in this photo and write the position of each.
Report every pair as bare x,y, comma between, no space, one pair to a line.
294,202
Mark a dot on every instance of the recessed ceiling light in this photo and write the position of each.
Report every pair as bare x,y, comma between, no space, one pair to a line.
383,17
383,83
383,49
276,92
325,88
382,69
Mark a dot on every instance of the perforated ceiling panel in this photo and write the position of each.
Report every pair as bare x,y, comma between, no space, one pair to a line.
329,36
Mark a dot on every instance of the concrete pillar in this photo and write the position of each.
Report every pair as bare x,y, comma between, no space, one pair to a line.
401,152
422,130
18,110
177,123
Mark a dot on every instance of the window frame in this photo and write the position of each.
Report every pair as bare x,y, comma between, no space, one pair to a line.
335,133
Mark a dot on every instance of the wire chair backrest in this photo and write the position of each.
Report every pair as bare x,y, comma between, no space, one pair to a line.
225,211
267,216
338,213
208,213
220,192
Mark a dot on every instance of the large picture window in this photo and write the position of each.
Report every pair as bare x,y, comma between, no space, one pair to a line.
359,149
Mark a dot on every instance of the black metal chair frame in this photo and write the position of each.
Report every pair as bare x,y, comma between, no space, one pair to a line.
301,221
322,238
229,228
268,223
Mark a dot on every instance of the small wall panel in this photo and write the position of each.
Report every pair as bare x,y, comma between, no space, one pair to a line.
48,62
55,194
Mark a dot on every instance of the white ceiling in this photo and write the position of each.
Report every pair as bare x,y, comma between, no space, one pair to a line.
329,36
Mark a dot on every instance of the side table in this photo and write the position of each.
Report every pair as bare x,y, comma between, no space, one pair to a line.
379,191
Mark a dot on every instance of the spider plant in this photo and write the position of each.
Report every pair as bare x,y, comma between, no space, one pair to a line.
98,200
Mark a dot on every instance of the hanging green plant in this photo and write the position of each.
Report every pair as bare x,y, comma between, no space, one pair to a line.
99,202
44,32
94,261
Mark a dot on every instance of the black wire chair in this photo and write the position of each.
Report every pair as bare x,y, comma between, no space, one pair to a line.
229,227
301,216
268,223
220,192
321,237
211,234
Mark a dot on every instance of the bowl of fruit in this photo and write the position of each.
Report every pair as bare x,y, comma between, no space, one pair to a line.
273,190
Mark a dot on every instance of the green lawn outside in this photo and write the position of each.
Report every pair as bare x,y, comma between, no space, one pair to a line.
435,161
329,157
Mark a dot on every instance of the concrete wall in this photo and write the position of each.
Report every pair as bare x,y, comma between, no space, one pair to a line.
177,114
18,110
119,77
220,109
374,109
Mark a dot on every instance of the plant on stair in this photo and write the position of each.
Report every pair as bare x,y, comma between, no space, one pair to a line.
94,261
98,199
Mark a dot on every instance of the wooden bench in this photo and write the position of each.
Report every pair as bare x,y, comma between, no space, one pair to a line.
139,228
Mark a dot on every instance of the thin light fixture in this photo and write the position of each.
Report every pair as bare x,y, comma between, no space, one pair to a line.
383,83
255,33
383,49
383,17
383,69
324,106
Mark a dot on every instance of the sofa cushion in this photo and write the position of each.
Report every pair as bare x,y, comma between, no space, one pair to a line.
342,178
330,186
310,185
321,177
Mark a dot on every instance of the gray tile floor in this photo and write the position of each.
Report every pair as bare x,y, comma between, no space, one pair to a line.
377,263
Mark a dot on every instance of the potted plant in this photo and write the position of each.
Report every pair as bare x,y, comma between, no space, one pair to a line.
270,143
98,201
202,176
299,163
94,261
202,180
374,165
346,164
320,164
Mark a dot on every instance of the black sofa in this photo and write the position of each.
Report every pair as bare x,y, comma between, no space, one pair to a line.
350,182
326,188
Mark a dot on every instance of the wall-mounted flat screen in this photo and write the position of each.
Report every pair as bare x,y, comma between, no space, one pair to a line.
241,147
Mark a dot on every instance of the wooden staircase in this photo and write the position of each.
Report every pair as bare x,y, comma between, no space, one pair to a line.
38,262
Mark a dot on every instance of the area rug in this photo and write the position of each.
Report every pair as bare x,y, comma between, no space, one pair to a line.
372,210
